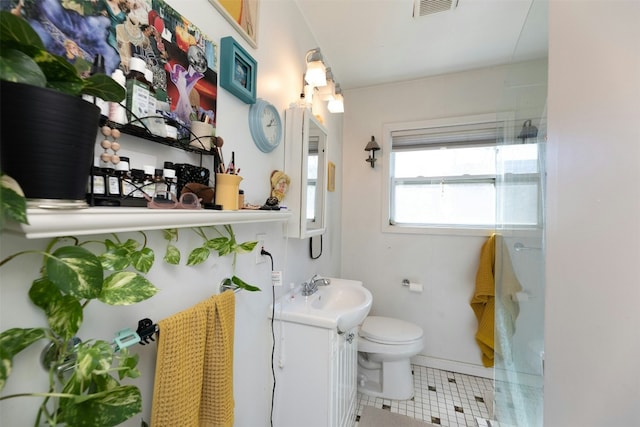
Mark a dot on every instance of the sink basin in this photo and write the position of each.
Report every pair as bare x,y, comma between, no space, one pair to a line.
342,305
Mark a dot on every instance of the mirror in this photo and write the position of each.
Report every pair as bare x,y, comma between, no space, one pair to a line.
305,163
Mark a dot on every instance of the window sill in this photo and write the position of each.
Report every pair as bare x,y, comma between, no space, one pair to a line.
45,223
459,231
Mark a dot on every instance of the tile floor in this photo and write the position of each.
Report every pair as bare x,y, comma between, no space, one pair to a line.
441,397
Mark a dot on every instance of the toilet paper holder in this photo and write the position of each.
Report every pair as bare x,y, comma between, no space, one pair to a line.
413,287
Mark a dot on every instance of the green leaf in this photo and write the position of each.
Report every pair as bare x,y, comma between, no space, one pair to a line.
61,75
65,316
129,363
104,409
126,288
115,258
172,255
245,247
17,29
143,260
103,382
42,292
244,285
95,357
14,204
120,255
170,234
104,87
64,312
218,244
18,67
12,342
130,245
198,256
75,271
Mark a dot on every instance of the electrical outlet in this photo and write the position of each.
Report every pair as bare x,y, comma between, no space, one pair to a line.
260,238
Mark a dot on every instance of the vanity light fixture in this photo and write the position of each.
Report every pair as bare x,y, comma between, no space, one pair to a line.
336,105
320,77
328,92
316,72
372,147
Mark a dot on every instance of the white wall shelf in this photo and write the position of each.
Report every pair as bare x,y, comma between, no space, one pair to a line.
45,223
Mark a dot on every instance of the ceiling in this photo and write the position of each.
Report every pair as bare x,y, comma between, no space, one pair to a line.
371,42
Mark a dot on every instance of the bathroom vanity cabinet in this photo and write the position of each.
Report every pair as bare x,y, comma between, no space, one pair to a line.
316,370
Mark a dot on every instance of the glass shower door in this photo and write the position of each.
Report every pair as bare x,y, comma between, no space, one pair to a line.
519,275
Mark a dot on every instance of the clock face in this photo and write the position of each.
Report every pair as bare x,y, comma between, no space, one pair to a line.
265,125
271,125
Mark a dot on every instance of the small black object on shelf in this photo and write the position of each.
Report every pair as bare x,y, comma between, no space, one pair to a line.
271,204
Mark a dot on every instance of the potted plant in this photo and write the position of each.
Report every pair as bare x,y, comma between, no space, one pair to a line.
45,122
84,376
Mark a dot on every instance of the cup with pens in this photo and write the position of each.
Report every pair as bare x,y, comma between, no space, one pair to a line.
227,184
201,132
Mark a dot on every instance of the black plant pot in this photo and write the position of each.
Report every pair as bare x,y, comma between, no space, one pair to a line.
46,144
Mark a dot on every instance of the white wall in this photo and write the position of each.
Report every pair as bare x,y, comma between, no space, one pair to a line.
592,342
283,40
444,264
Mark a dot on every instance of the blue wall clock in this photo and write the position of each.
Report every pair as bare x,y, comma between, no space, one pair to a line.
265,125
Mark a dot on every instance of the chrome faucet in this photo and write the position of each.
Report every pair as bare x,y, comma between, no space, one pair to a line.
311,287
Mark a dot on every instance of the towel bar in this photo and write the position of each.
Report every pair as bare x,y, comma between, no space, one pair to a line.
520,247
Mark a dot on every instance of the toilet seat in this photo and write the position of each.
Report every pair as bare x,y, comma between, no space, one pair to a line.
386,330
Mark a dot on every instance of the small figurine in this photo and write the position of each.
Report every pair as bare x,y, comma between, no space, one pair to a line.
279,184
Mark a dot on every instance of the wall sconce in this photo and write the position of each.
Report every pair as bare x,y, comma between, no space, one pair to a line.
528,131
336,105
316,73
372,147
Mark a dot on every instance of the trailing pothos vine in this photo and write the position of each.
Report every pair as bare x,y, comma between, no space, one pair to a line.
84,386
223,243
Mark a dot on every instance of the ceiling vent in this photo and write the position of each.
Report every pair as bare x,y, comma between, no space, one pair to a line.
429,7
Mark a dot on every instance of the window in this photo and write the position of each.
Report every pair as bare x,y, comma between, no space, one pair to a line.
460,173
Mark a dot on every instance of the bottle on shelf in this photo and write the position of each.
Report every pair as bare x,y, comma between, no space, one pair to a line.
138,92
160,184
149,184
137,182
170,178
97,183
117,111
124,177
113,182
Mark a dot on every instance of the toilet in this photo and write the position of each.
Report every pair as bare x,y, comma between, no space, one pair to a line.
385,347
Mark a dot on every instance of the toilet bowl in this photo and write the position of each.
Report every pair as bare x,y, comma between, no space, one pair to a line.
385,347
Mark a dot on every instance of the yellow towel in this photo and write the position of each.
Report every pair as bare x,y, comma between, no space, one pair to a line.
483,301
194,366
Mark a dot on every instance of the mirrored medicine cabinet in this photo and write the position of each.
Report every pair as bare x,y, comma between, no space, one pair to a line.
305,163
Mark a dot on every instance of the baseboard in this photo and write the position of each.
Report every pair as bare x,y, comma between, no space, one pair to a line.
452,366
475,370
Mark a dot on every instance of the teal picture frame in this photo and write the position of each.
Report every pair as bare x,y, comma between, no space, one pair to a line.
238,70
